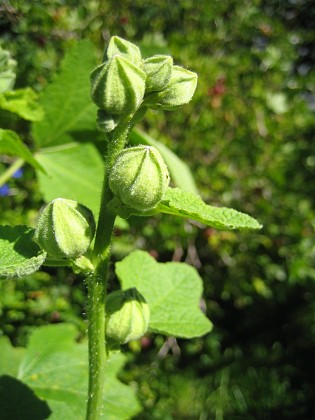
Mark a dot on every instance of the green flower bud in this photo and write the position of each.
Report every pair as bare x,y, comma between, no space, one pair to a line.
179,91
7,71
122,47
127,316
158,69
139,177
118,86
65,229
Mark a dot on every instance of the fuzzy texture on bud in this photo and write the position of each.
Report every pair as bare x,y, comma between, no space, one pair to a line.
65,229
179,91
139,177
158,69
127,316
122,47
118,86
7,71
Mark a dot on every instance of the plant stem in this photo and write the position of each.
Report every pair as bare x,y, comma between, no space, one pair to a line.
11,171
97,285
97,346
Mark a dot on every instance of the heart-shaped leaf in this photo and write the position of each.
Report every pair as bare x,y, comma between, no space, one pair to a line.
172,290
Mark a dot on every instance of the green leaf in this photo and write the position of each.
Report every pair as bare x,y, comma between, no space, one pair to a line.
172,290
184,204
11,144
22,102
68,107
19,254
73,171
9,360
179,171
55,367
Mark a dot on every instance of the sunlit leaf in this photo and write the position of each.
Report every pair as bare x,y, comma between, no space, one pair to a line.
69,110
172,290
184,204
22,102
73,171
12,145
19,254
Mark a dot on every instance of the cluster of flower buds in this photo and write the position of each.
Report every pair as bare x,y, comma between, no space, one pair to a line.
125,82
65,229
127,316
7,71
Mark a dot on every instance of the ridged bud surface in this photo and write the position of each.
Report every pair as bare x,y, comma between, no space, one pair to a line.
158,69
118,86
127,316
122,47
65,229
139,177
179,91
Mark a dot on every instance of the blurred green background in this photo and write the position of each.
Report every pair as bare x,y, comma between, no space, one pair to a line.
247,136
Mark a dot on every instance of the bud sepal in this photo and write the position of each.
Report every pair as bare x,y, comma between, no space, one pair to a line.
117,45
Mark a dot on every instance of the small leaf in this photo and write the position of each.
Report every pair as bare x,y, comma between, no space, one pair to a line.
184,204
19,254
55,367
66,101
11,144
172,290
73,171
180,173
22,102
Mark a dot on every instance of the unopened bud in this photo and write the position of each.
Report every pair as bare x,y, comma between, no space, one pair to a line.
118,86
139,177
127,316
158,69
179,91
65,229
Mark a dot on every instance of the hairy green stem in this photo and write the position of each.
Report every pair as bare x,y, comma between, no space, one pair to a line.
11,171
97,285
97,346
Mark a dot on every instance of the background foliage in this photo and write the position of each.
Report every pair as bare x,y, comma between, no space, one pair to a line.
247,137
